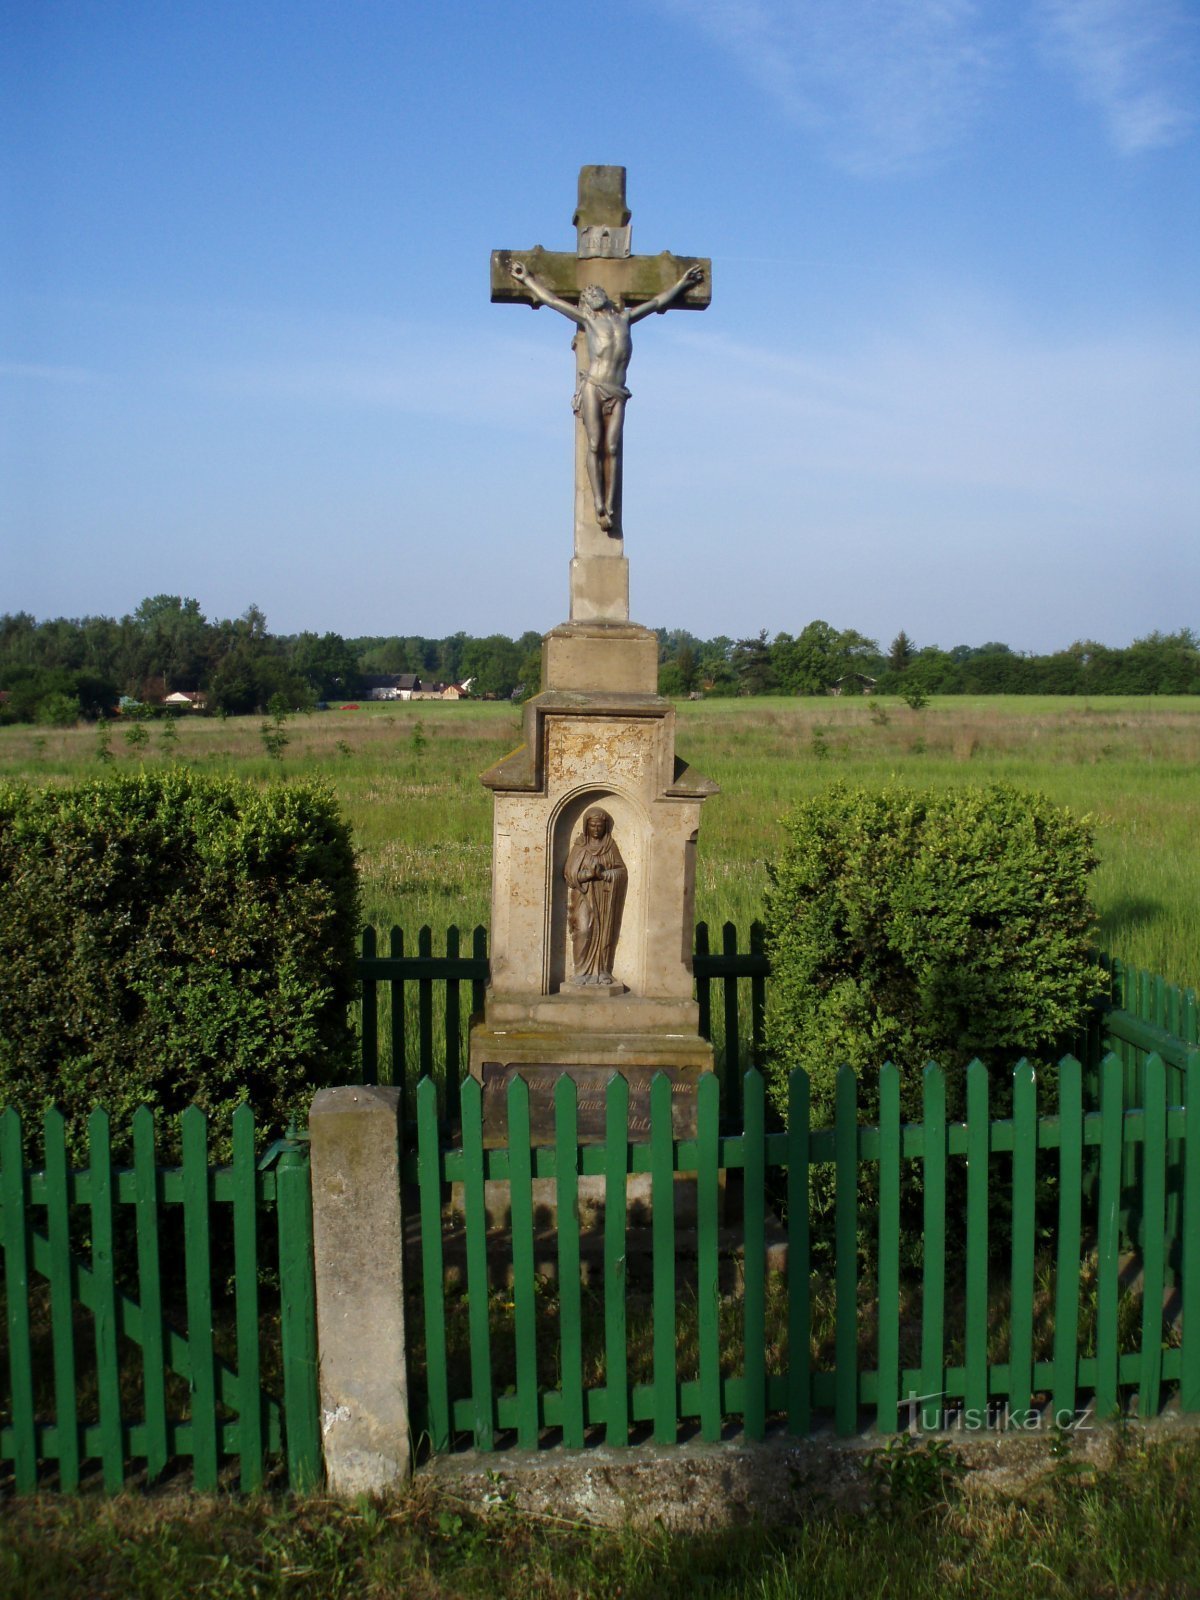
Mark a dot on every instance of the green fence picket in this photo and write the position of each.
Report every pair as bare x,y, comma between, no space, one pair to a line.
754,1260
479,954
570,1301
298,1318
453,1012
732,1030
703,981
708,1294
520,1189
154,1372
662,1225
62,1298
429,1178
887,1398
616,1168
1108,1234
401,1078
758,994
245,1287
425,1004
1069,1242
475,1215
14,1194
369,1026
197,1258
845,1143
1154,1159
104,1310
799,1242
1189,1382
1024,1180
975,1385
933,1272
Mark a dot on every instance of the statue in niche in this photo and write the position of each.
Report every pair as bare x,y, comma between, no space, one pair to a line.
599,401
596,879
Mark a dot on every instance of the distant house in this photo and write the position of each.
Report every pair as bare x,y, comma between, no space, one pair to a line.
187,699
458,691
428,691
391,686
853,683
381,686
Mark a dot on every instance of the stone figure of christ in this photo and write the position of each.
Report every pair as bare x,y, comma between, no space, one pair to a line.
600,398
596,879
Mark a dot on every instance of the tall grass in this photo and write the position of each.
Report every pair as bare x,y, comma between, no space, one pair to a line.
423,821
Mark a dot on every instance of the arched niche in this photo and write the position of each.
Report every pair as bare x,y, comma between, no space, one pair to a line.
631,831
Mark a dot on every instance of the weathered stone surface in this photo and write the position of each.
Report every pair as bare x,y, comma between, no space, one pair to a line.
639,279
696,1488
359,1253
591,1084
614,751
580,654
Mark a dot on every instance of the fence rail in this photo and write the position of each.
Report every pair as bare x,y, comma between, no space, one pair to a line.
116,1308
982,1337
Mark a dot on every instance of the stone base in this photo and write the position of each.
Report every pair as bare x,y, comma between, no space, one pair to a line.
588,1009
542,1055
619,657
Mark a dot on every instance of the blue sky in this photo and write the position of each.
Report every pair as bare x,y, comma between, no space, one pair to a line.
949,381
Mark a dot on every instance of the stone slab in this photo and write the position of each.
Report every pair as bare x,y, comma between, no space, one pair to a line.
602,1011
592,655
591,1084
698,1488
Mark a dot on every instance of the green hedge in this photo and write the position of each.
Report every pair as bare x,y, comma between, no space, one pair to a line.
911,926
169,939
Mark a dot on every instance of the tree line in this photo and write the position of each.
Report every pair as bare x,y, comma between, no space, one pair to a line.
59,670
822,659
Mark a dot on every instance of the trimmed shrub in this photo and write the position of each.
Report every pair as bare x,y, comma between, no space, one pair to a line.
912,926
168,940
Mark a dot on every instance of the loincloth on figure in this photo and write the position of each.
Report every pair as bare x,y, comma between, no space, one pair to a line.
609,394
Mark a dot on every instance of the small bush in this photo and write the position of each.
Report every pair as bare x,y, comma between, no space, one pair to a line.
168,939
907,926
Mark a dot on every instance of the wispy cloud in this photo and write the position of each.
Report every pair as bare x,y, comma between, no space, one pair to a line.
886,84
1125,57
891,85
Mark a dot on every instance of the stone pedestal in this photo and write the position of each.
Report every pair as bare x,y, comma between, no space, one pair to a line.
586,748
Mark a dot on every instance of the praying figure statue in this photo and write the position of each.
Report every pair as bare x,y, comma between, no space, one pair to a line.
599,401
596,879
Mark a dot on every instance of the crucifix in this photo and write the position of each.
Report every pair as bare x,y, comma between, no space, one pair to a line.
604,289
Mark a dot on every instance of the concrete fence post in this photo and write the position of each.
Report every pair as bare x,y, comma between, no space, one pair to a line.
358,1240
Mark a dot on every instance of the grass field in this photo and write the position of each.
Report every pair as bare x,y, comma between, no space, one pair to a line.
407,776
1131,1530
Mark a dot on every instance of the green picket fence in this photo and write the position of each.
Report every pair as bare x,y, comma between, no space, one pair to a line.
1066,1330
123,1358
416,1006
1149,1017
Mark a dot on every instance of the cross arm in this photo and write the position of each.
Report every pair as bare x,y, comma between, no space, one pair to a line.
638,278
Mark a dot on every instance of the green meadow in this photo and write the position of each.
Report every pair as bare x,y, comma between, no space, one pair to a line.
407,775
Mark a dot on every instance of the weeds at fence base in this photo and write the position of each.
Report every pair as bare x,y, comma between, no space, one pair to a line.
1132,1529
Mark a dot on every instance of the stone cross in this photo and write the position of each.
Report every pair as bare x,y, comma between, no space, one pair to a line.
626,288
